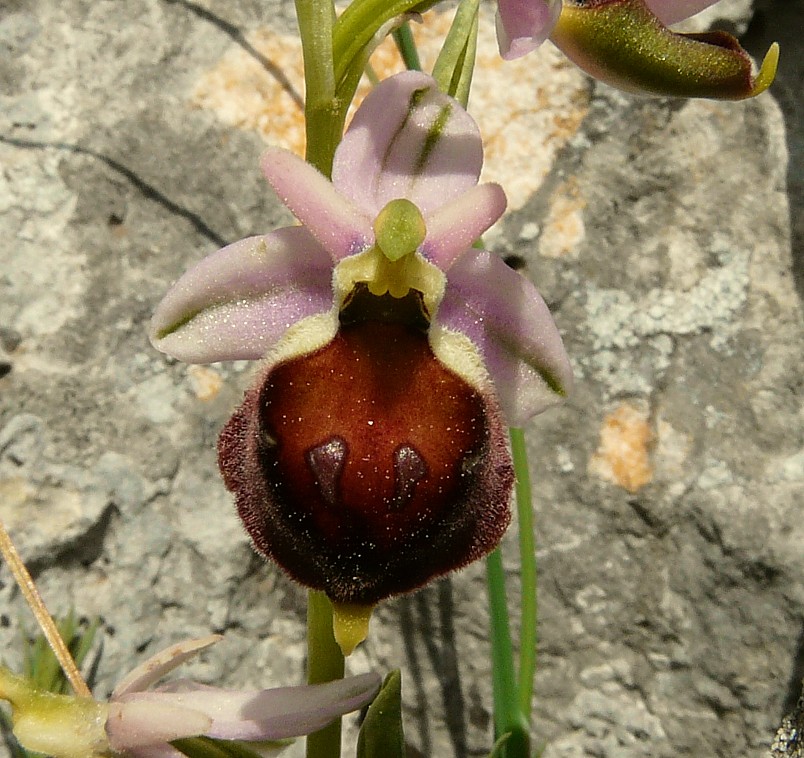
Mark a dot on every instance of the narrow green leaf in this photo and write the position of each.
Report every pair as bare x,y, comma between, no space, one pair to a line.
83,642
381,735
508,718
205,747
456,61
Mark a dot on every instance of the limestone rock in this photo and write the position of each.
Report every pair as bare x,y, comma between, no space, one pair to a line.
667,490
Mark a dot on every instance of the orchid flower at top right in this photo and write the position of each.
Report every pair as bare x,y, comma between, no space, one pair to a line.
627,44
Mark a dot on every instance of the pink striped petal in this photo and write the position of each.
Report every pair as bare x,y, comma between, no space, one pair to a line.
237,302
331,218
456,225
506,318
522,25
673,11
408,140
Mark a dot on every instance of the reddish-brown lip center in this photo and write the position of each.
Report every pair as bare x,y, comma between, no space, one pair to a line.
370,439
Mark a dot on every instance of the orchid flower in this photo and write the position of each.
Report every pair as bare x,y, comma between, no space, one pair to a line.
626,43
370,455
140,721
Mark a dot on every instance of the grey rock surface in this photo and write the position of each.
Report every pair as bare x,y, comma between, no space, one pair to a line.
667,490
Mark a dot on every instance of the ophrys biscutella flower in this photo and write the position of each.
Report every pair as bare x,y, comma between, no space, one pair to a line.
627,43
370,454
140,720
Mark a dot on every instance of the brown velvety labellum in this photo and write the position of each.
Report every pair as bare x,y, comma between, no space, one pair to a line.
367,467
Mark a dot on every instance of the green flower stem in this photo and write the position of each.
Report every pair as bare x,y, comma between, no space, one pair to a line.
508,718
324,664
324,116
527,567
323,127
407,47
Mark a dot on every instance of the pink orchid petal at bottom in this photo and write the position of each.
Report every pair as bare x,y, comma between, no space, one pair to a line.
523,25
267,714
340,226
408,140
161,664
673,11
237,302
506,318
455,226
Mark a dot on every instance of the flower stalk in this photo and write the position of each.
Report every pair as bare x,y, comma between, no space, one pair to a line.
316,20
527,566
325,663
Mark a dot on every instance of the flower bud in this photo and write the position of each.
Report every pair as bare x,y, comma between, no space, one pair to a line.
623,43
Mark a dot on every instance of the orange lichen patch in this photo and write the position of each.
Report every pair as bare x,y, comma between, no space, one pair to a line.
623,455
246,93
527,109
564,229
205,382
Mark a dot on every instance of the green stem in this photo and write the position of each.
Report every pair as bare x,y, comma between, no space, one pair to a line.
407,47
324,664
527,559
508,718
316,22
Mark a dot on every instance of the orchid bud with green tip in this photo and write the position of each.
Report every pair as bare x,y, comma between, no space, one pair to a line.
623,43
626,43
370,455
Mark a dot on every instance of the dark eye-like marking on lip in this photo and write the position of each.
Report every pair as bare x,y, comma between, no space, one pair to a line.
326,462
409,470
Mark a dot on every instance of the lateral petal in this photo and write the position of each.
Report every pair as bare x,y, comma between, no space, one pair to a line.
453,227
331,217
408,140
509,322
238,301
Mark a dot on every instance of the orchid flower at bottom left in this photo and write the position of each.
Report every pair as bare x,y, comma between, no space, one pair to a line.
139,722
